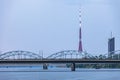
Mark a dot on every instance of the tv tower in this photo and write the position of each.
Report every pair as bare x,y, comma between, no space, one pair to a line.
80,33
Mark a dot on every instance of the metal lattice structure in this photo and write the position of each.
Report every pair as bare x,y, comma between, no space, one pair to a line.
66,54
115,55
20,55
70,54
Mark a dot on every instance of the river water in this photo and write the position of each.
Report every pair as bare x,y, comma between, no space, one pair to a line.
58,74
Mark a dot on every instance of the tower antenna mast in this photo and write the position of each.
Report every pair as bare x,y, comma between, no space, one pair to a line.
80,33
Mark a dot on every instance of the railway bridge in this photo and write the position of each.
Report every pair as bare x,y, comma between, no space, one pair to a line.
68,56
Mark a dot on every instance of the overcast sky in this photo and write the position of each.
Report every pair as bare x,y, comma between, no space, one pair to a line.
53,25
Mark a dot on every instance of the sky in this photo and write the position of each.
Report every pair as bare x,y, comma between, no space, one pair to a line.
50,26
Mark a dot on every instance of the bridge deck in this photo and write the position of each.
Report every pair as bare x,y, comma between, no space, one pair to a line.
57,61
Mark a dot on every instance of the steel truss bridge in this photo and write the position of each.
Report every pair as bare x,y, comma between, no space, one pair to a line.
66,56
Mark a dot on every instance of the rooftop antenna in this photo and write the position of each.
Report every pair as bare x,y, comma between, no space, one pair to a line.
111,35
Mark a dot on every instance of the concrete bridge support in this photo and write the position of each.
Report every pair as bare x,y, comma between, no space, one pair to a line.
45,66
73,67
97,66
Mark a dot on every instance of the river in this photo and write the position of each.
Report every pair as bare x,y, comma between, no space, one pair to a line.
58,74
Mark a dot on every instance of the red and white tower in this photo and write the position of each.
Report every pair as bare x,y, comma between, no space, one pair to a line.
80,34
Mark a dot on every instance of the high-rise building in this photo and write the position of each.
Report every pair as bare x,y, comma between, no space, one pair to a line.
111,46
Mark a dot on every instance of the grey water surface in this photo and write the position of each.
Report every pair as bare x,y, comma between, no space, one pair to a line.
58,74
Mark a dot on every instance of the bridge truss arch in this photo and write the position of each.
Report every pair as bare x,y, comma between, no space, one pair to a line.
110,55
114,55
20,55
70,54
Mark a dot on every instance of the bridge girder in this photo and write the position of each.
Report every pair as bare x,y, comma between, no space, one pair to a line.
70,54
20,55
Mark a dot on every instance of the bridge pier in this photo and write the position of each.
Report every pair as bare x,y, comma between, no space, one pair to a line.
45,66
73,67
97,66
